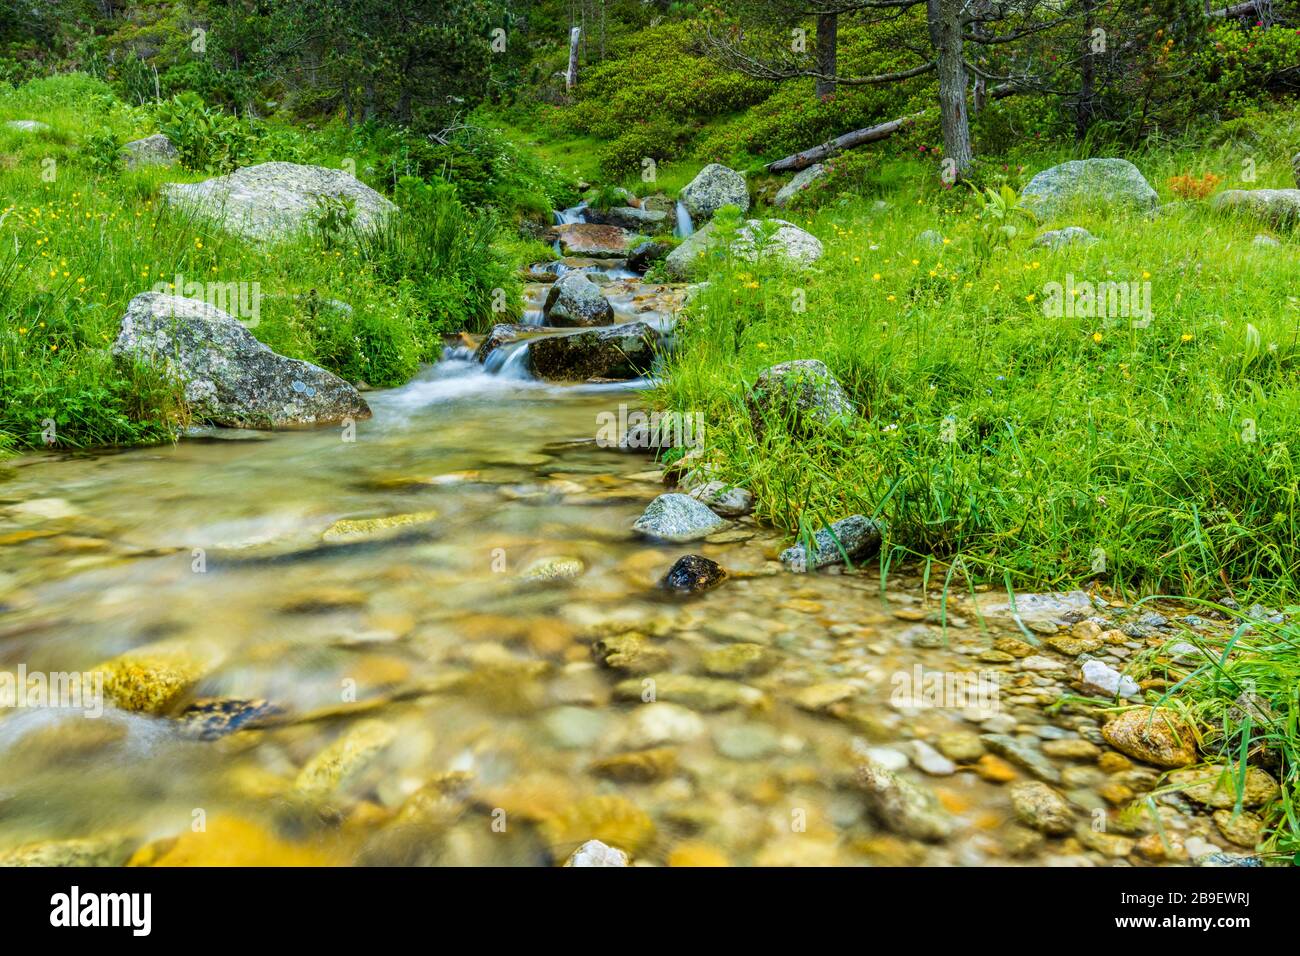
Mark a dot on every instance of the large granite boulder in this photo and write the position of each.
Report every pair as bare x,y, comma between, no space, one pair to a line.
273,201
575,300
773,241
714,187
1281,207
613,352
155,150
230,378
1111,183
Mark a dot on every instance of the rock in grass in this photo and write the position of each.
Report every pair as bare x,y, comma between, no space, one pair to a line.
713,187
1281,207
1069,235
275,201
772,241
677,517
1112,183
28,126
802,394
726,500
616,352
856,536
1039,806
693,573
1153,735
155,150
574,300
1216,786
801,181
228,377
901,805
595,853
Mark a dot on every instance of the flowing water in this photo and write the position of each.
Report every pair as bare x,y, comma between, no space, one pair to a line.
469,686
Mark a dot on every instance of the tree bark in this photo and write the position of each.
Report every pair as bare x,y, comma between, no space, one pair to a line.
1083,108
827,53
946,25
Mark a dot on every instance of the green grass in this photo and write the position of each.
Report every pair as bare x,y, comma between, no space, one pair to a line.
1071,439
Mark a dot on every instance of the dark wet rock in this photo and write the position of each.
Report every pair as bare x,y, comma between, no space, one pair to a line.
614,352
209,719
1229,859
503,333
646,254
595,241
645,221
273,201
155,150
692,573
903,806
856,536
637,766
803,394
229,377
574,300
677,517
712,188
1112,183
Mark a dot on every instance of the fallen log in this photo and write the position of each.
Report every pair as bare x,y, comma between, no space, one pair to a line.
870,134
1236,10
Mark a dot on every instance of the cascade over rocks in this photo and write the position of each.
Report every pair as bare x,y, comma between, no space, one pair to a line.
229,377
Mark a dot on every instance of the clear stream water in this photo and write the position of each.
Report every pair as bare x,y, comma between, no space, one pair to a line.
470,720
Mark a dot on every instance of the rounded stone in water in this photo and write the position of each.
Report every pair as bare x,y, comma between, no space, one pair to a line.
692,573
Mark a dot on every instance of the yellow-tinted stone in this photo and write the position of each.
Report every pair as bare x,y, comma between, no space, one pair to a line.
231,841
697,854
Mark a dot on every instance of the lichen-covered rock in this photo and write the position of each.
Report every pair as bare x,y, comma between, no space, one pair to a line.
644,221
155,150
333,767
1216,786
553,568
697,693
677,517
153,679
771,241
595,853
228,377
801,181
108,850
1039,806
1281,207
592,240
351,530
1112,183
1066,236
901,805
274,201
856,536
612,352
802,394
1153,735
574,300
692,573
712,188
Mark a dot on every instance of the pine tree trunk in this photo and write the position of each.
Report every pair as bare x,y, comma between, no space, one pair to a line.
827,52
945,18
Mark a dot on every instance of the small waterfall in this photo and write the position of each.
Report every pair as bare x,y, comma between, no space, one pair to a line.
509,361
574,214
684,225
